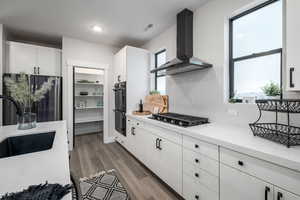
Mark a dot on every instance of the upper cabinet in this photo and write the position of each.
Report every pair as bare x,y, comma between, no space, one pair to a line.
292,45
32,59
130,62
120,66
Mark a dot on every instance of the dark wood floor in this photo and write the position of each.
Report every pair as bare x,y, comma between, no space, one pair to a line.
91,155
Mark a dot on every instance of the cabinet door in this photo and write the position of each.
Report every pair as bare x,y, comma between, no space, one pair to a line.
284,195
169,161
236,185
120,66
21,58
292,45
49,61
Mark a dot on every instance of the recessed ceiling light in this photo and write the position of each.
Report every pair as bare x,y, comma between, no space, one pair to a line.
97,29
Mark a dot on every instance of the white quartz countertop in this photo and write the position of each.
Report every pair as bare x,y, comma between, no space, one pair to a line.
19,172
237,138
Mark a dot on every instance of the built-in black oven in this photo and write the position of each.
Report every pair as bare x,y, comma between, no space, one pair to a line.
120,122
120,107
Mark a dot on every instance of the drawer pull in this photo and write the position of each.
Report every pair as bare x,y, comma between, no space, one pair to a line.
156,143
241,163
197,175
196,196
292,85
132,130
279,196
197,160
196,146
267,190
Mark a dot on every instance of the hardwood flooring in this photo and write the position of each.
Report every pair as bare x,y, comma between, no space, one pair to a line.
91,155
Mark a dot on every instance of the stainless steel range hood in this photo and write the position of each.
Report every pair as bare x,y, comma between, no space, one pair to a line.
185,62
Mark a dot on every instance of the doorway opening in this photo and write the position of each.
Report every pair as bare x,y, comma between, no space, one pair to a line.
88,102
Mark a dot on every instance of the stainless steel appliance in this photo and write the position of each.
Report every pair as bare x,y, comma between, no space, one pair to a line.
120,107
48,109
179,119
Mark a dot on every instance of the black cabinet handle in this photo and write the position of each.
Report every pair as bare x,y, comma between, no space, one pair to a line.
292,85
279,196
38,70
196,196
132,130
267,190
197,175
34,70
156,143
196,146
241,163
159,144
197,160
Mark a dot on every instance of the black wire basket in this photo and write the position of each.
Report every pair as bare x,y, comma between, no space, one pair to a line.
280,133
277,105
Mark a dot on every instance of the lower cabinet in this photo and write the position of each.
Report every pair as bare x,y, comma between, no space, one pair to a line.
284,195
161,156
236,185
201,171
192,190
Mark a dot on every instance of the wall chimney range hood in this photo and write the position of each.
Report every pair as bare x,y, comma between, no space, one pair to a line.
185,62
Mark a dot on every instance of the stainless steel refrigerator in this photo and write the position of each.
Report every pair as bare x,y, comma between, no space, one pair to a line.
48,109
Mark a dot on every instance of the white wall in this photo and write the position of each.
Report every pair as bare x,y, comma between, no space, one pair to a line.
203,93
80,51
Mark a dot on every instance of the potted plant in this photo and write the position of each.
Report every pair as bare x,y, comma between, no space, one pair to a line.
22,92
272,90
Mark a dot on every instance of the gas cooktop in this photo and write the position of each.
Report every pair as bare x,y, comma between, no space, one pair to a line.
179,119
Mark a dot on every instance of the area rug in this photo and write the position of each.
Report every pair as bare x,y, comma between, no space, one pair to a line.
103,186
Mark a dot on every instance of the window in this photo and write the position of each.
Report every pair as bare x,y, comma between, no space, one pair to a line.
256,50
160,80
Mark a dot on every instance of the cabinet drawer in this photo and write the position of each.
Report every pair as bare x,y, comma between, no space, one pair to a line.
204,148
200,161
194,191
201,177
163,133
278,176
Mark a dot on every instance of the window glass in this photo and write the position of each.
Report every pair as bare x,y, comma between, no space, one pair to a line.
256,49
258,31
160,81
251,75
161,85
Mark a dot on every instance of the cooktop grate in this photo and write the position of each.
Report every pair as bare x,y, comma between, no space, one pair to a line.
180,119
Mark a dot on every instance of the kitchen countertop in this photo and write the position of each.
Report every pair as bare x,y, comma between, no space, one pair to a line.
237,138
19,172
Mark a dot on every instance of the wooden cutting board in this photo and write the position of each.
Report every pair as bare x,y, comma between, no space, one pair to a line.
156,102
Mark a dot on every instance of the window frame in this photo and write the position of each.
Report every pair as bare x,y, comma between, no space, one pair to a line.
251,56
156,75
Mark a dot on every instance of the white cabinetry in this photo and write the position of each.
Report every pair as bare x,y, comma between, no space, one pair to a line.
235,185
200,170
248,178
284,195
33,59
131,64
120,66
162,156
292,45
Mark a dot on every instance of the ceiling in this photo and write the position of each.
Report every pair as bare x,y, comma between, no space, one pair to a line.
123,21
